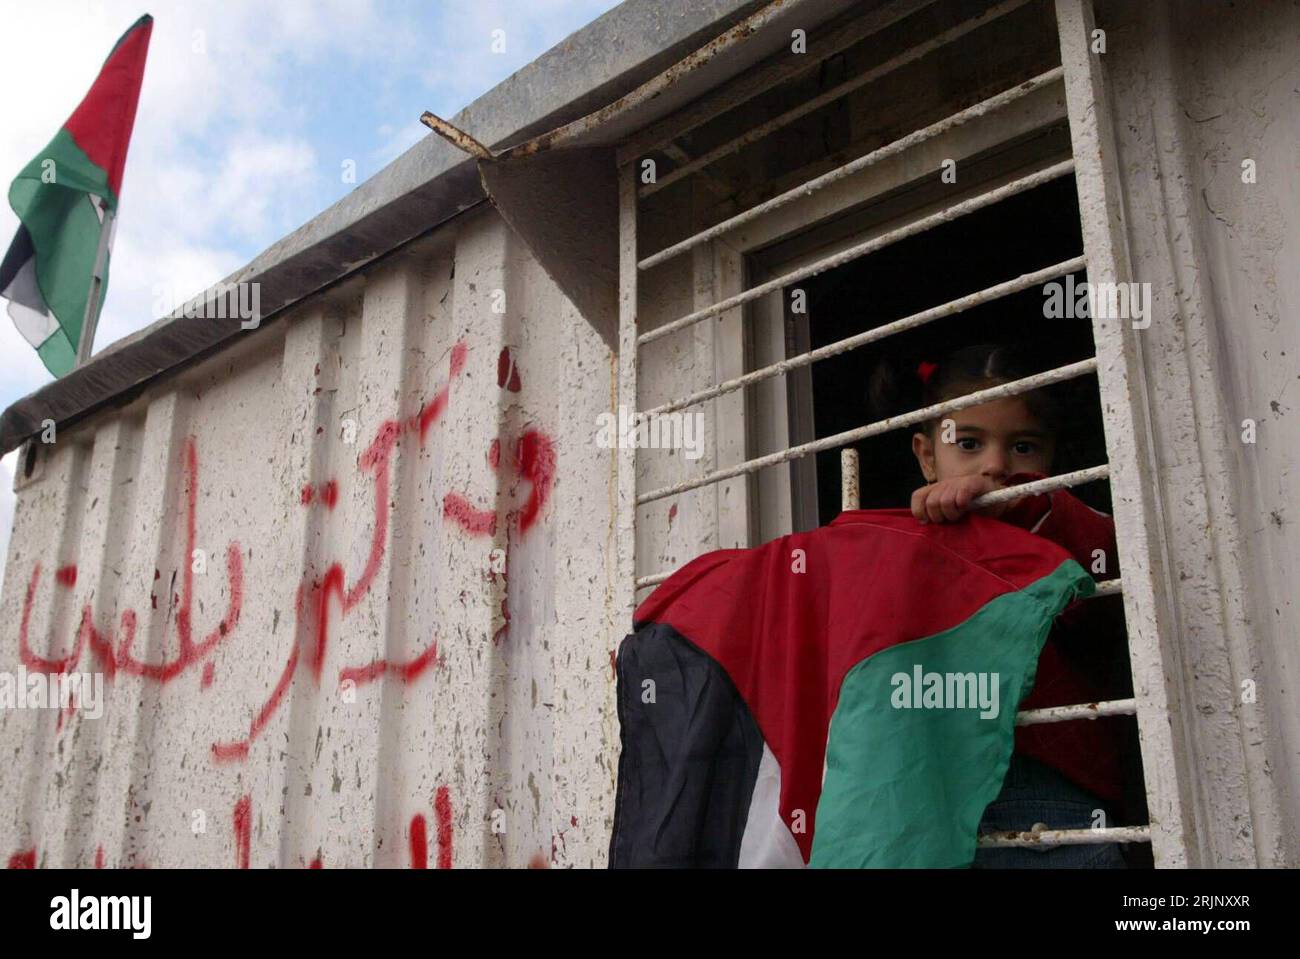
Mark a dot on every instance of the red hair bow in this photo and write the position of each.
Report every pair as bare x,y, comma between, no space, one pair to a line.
925,370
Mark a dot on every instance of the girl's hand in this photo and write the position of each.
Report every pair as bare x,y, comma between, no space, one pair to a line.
949,500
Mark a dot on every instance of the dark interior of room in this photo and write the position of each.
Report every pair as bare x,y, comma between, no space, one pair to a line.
1024,233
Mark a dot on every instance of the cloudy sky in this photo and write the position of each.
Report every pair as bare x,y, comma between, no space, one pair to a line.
248,114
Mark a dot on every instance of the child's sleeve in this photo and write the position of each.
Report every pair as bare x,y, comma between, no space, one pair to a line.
1088,535
1091,631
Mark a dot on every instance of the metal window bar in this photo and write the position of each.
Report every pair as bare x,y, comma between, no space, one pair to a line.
979,110
1064,481
1014,388
1109,587
946,215
1064,837
943,310
849,498
1060,714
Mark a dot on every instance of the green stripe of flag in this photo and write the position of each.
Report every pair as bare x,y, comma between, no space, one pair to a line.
51,196
907,787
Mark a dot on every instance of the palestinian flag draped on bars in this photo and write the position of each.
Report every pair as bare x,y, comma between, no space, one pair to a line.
61,198
792,718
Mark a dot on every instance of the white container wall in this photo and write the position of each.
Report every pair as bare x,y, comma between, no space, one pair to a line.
343,582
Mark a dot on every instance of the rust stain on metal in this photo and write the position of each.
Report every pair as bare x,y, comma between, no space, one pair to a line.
1013,835
456,137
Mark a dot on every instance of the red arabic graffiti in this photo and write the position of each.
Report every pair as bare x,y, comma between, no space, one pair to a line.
317,597
418,833
312,602
243,820
442,809
507,371
328,492
101,643
534,463
479,522
408,671
419,843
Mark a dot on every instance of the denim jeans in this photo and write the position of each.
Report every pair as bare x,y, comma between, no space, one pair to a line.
1033,793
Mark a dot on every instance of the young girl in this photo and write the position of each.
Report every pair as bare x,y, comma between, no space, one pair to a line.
1065,775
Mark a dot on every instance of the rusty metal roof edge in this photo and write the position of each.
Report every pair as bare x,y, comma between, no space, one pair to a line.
425,186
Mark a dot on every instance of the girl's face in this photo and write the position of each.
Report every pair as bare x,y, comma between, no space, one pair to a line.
996,439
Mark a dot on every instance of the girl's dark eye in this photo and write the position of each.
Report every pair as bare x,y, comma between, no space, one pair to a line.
968,443
1025,448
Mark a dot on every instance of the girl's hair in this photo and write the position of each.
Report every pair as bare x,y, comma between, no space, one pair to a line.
895,389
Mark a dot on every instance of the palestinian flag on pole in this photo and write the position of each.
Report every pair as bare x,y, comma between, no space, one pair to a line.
56,270
844,697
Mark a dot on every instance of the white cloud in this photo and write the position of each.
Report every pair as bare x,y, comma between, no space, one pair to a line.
258,179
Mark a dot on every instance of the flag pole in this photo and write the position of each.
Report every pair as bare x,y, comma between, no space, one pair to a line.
91,319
